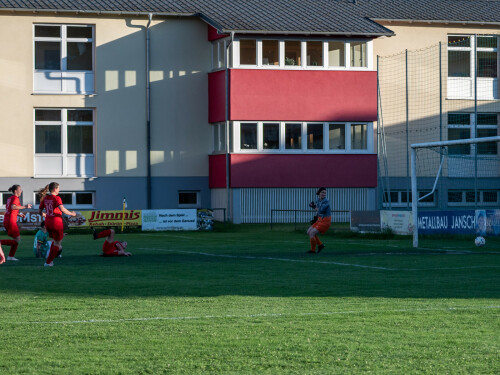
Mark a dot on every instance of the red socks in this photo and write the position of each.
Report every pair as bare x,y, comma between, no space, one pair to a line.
104,233
54,249
313,244
318,241
13,246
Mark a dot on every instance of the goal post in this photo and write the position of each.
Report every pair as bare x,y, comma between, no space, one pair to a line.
459,164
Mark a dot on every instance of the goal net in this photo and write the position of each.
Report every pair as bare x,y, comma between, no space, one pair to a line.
460,172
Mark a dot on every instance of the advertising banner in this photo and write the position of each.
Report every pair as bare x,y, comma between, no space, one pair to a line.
400,222
447,222
130,218
30,222
169,219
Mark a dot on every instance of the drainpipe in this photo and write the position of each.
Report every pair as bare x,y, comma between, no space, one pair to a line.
148,117
227,127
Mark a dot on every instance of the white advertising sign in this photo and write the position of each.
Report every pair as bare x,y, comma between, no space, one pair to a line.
169,220
400,222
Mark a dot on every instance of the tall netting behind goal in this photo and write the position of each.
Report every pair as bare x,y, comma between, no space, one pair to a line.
464,169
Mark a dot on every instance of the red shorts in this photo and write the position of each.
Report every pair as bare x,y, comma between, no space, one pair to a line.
323,224
11,228
55,227
109,249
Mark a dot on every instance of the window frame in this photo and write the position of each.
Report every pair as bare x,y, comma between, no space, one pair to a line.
64,155
401,203
303,47
303,149
473,127
464,202
183,205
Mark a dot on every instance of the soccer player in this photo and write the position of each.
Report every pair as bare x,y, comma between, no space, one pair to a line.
12,208
324,214
41,245
111,248
2,256
54,209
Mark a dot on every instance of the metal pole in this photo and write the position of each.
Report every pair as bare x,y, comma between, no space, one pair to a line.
148,117
474,147
227,127
407,140
414,199
440,95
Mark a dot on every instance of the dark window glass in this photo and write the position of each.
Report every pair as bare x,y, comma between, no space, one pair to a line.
487,64
248,52
48,55
188,198
5,196
79,56
80,115
270,52
469,196
248,135
292,52
490,196
487,119
429,199
48,31
486,42
271,136
314,136
47,115
84,198
293,136
456,134
67,198
80,140
458,64
79,32
48,139
458,119
314,53
454,196
404,197
458,41
488,148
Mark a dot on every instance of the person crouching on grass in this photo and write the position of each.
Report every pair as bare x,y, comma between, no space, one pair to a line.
324,215
110,247
41,245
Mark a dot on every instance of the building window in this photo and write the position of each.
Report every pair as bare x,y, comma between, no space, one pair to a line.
404,198
302,54
314,53
288,137
189,199
73,199
219,53
63,59
4,195
336,54
64,142
359,54
464,126
248,52
219,131
462,65
270,52
468,198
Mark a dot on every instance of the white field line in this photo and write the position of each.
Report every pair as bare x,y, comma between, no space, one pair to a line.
250,316
313,261
269,258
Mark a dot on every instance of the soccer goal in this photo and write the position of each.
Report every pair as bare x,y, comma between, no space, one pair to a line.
462,167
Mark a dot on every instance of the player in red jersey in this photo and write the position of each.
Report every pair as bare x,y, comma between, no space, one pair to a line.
12,208
54,209
111,248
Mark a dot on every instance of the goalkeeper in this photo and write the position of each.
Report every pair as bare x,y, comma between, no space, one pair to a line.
323,220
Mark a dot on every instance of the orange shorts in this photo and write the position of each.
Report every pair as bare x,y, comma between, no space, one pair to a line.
323,224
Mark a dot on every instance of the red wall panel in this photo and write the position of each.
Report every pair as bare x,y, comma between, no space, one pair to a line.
216,96
258,170
295,95
217,171
213,35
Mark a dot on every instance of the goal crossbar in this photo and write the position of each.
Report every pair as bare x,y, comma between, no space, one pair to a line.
414,147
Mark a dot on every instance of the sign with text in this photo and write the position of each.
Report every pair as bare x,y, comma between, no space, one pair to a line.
488,222
169,219
365,221
130,218
30,222
400,222
447,222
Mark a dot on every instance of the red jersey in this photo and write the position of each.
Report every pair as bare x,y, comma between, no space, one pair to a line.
9,212
51,204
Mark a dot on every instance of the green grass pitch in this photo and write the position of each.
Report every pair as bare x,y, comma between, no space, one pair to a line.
248,300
